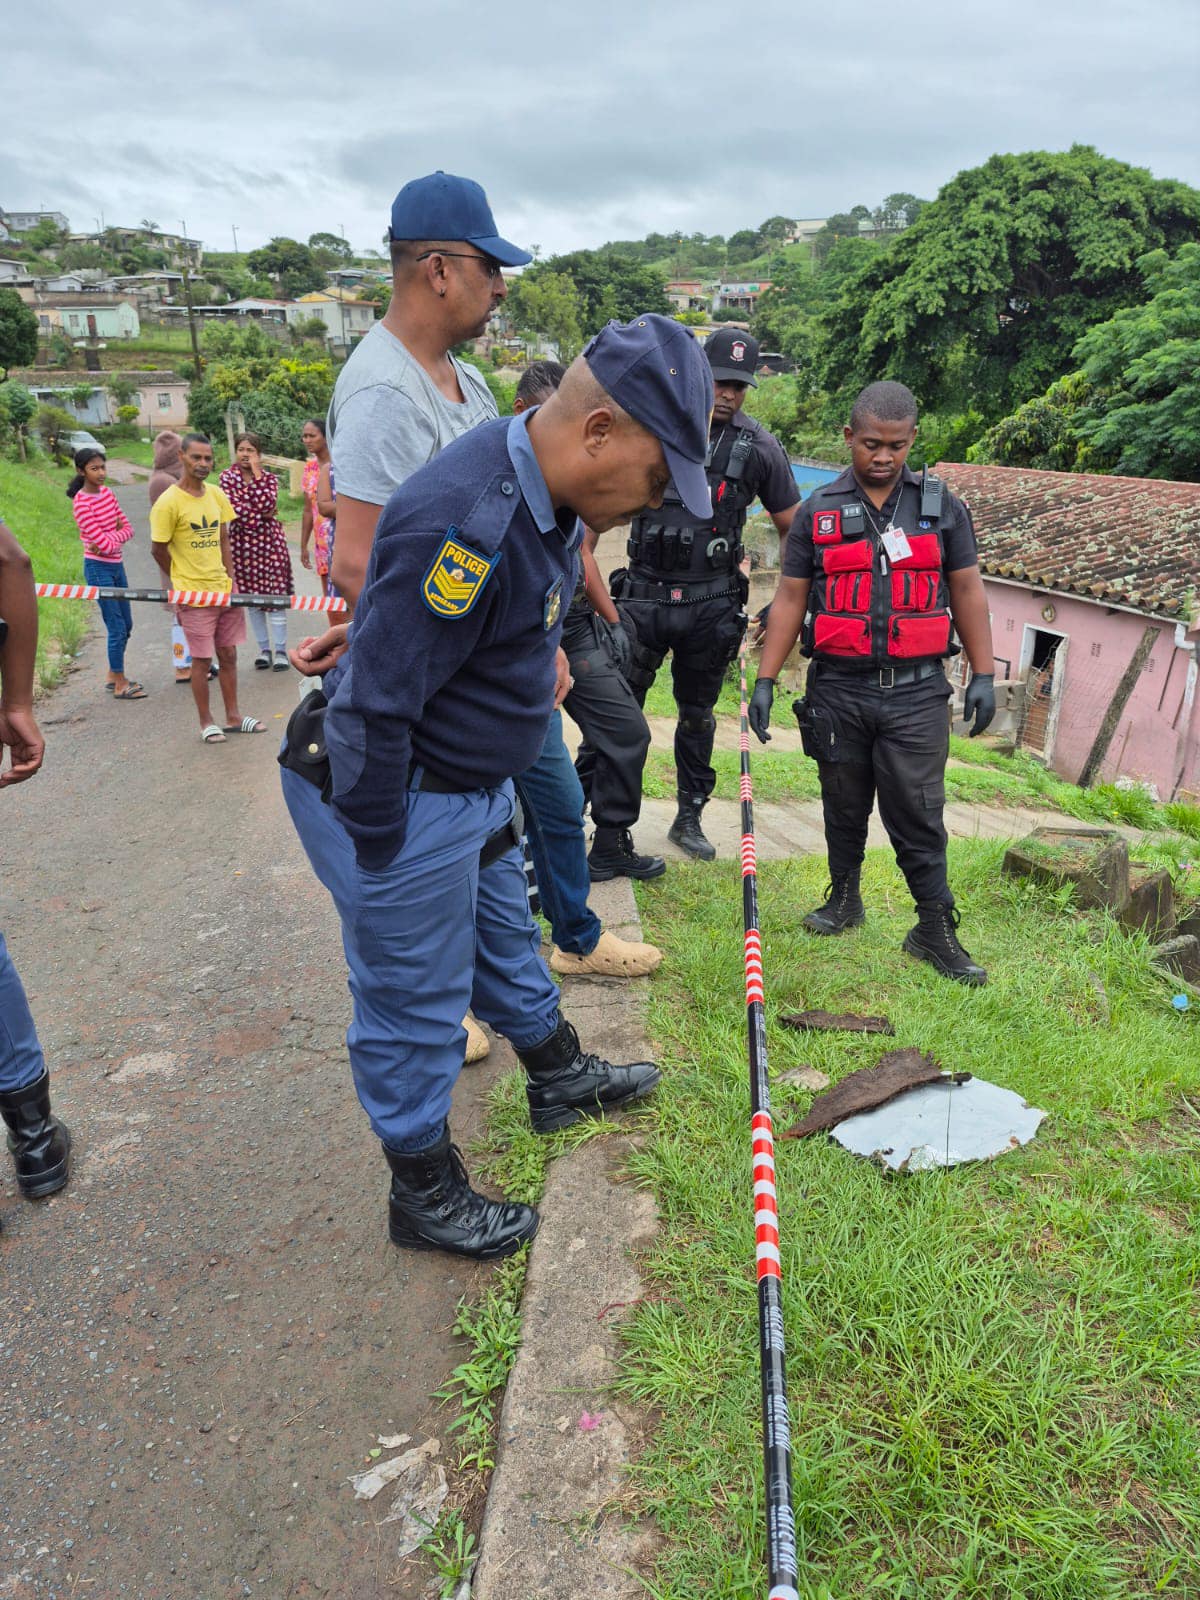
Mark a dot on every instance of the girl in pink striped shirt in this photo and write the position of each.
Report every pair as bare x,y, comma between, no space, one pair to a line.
104,528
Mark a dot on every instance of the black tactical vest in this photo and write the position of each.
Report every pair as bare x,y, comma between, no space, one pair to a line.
669,543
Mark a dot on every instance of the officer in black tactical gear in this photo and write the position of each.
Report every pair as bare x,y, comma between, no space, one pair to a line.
684,589
879,565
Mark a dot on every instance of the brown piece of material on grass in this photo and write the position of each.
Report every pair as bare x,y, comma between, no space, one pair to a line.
865,1089
834,1022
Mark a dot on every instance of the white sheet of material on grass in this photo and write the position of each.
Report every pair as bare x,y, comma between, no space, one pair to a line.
940,1125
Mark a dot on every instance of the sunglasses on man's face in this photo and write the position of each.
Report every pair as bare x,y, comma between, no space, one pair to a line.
490,266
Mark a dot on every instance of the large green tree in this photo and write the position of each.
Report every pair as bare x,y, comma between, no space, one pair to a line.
608,284
998,278
548,303
18,332
1134,404
289,265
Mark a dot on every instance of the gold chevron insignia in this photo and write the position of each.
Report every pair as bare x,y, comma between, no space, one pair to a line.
457,578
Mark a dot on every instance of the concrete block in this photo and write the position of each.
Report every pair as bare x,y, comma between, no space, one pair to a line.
1094,861
1180,955
1187,920
1151,907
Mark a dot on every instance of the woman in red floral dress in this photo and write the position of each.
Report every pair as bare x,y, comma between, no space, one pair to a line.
261,562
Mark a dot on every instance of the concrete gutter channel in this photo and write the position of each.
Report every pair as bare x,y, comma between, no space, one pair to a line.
553,1528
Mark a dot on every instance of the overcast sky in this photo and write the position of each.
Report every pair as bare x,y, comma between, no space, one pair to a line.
583,122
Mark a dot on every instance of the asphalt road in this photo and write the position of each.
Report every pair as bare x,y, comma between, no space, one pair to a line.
202,1335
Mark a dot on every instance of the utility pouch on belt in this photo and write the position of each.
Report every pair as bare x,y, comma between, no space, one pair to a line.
304,751
669,558
818,732
618,582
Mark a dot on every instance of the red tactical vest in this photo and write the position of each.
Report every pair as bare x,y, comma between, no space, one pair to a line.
864,607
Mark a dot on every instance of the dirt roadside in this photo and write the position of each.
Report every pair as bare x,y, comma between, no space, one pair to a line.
202,1335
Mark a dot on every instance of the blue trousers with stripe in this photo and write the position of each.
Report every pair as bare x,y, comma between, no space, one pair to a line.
427,939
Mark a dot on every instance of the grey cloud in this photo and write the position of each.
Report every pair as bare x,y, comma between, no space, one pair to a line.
581,124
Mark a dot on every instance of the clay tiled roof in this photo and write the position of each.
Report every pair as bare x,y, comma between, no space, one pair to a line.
1122,541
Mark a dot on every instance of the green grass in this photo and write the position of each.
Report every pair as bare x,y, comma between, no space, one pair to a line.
33,503
994,1372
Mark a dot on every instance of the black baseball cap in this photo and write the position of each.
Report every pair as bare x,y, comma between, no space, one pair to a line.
733,355
442,206
654,368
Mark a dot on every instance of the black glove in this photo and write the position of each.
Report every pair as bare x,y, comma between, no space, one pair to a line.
622,646
759,713
980,701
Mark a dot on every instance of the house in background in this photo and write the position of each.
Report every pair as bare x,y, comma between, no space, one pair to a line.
161,397
687,294
81,314
738,296
14,222
1077,569
346,319
805,228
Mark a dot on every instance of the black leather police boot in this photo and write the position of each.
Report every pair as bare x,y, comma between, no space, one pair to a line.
564,1082
843,907
934,940
686,832
612,856
39,1142
432,1206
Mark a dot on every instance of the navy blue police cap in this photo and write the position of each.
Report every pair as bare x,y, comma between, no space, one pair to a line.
655,369
442,206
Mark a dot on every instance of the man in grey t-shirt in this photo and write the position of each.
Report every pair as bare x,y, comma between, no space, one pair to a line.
402,396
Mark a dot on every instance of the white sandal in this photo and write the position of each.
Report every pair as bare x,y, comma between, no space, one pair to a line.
212,734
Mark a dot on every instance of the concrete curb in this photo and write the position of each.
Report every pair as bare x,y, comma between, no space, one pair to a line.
548,1531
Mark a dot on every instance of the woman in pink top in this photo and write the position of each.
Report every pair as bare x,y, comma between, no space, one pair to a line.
104,528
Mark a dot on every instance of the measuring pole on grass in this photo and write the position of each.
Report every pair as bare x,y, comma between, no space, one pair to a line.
783,1573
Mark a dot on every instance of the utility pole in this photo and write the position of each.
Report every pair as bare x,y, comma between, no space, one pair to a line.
233,229
342,297
191,310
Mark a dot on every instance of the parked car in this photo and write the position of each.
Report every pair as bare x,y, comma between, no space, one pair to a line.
79,439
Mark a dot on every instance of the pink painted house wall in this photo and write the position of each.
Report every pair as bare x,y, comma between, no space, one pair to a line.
1158,736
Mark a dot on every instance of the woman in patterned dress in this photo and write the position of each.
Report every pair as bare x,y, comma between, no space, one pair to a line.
261,563
316,528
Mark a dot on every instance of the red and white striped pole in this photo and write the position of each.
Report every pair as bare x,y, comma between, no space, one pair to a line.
192,597
783,1573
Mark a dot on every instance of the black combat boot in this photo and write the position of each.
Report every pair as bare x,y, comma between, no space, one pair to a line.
39,1142
432,1206
843,907
934,940
612,856
564,1083
686,832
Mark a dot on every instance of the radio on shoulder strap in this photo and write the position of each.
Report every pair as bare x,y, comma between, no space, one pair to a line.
933,493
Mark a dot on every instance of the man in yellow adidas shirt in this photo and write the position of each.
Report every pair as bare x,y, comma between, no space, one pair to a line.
189,527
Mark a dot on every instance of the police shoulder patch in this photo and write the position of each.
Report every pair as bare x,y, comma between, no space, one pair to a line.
457,578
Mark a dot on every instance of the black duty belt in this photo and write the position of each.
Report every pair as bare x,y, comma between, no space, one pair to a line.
665,592
885,677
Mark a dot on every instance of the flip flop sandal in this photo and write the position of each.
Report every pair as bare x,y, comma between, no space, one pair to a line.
281,664
262,661
212,734
133,691
246,725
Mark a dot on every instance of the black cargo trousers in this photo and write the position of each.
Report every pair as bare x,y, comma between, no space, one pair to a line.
703,639
873,738
606,711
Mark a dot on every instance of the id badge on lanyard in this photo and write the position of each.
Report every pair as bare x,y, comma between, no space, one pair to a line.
895,543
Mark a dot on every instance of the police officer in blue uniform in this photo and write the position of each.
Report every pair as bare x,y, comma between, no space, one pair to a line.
879,566
398,776
684,591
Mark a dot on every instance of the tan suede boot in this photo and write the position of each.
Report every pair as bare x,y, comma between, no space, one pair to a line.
612,958
478,1043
